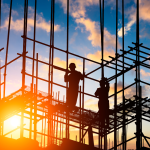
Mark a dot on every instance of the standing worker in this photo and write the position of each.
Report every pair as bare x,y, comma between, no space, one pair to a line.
73,78
103,104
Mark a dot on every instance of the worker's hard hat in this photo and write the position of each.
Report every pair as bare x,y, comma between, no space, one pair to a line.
72,65
104,80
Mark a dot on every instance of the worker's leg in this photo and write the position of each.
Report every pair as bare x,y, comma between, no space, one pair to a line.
72,96
107,114
68,98
102,114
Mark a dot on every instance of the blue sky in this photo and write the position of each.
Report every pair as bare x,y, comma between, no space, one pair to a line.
84,40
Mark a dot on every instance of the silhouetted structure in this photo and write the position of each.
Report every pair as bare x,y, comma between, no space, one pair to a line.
29,100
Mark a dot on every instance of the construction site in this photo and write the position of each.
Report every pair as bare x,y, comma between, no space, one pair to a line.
48,108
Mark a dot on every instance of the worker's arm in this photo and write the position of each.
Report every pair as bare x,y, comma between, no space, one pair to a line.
82,76
97,92
66,77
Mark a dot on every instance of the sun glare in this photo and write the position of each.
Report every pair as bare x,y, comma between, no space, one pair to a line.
15,121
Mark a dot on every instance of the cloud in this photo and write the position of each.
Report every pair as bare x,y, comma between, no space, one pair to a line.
78,11
131,12
78,7
73,37
97,55
128,93
13,83
144,12
145,32
126,28
93,28
119,87
17,25
61,63
144,73
91,104
6,9
145,91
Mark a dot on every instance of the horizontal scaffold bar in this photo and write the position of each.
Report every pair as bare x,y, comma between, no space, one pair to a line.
61,50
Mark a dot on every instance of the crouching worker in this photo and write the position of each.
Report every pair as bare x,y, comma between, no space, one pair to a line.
73,78
103,104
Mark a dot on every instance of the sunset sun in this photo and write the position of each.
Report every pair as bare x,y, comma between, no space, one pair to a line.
15,121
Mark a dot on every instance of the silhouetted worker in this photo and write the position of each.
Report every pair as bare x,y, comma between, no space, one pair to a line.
103,104
73,78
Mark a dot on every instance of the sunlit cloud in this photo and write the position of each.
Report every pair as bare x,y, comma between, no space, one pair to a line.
17,25
97,55
78,11
91,104
93,28
78,7
126,28
145,75
61,63
144,11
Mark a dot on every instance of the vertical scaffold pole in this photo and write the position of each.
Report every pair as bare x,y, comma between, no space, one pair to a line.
102,64
115,100
124,127
49,76
52,61
115,117
80,130
102,34
45,128
83,98
99,134
50,73
34,34
138,98
140,110
24,61
6,57
67,113
57,122
42,128
35,99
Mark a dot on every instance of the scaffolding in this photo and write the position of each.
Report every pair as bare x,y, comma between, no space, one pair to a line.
29,100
